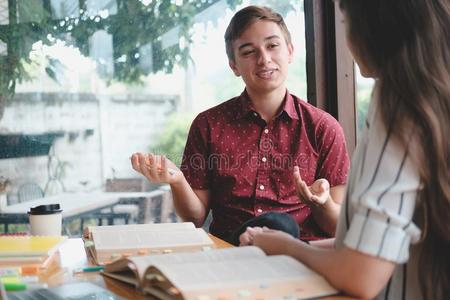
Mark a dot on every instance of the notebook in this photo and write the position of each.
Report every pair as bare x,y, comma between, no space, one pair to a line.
233,273
26,246
112,242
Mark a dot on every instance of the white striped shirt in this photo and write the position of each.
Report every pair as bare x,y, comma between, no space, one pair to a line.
377,215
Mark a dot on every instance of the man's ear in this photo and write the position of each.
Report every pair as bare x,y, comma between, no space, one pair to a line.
290,52
232,65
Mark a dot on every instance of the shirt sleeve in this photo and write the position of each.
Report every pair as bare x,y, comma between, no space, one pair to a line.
195,158
382,194
334,162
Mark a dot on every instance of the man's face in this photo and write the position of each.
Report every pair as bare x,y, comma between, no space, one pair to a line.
262,56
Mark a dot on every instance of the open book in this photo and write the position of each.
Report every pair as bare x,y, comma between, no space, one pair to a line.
110,243
230,273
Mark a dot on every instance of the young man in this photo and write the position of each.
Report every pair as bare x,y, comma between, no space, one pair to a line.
241,156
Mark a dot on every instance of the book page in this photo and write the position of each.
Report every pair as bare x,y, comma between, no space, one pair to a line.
147,227
141,263
148,239
270,275
230,272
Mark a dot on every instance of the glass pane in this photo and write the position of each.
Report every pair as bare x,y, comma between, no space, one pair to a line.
363,93
84,84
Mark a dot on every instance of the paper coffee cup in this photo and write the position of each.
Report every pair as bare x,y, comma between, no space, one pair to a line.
46,219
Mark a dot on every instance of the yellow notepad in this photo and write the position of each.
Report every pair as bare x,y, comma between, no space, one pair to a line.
29,245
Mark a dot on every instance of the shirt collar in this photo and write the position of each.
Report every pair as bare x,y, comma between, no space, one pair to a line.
289,106
245,106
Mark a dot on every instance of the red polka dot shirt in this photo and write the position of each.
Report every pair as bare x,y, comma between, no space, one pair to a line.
247,164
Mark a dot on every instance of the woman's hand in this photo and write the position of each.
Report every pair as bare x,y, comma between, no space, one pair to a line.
246,238
273,242
156,168
317,194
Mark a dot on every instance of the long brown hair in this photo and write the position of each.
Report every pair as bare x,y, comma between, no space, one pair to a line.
408,45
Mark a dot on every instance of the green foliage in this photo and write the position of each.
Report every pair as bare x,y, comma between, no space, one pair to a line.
172,139
363,100
133,26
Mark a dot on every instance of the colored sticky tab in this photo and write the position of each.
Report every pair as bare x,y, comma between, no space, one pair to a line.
155,277
88,244
30,270
115,256
244,293
142,252
174,291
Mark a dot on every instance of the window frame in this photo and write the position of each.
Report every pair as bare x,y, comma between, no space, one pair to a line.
330,68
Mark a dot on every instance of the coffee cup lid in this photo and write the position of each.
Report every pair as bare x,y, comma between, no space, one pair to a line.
45,209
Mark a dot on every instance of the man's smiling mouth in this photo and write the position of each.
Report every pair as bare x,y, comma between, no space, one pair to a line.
266,73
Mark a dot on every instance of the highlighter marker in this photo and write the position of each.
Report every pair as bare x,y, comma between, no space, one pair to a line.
14,286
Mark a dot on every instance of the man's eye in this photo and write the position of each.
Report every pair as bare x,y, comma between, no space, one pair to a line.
248,52
273,46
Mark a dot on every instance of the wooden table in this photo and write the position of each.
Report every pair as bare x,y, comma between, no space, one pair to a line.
72,256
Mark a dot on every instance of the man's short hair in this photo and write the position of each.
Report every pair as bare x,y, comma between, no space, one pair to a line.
246,17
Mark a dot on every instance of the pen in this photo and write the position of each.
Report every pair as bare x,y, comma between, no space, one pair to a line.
90,269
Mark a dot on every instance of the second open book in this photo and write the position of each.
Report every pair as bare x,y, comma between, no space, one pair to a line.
109,243
233,273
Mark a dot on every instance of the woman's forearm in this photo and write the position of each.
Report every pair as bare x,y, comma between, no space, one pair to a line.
350,271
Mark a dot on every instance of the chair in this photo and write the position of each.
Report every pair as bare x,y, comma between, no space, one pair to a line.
26,192
125,185
29,191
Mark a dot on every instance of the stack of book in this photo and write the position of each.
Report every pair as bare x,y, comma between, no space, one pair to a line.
32,253
106,244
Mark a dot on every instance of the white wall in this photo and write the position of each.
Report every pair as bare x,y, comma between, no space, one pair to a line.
100,133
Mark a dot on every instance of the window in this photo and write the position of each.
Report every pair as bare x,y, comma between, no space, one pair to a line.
86,83
363,94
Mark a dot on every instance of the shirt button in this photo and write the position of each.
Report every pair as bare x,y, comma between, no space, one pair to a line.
261,187
264,159
259,210
266,130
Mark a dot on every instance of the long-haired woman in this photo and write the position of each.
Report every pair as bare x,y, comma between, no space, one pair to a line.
393,237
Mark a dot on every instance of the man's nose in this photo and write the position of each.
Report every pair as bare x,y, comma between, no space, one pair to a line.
264,57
